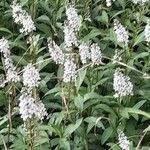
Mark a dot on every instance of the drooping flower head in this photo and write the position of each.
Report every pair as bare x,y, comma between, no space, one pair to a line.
22,18
122,84
121,33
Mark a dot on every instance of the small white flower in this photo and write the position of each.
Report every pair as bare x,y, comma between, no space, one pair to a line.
96,55
31,76
109,2
11,74
74,21
21,17
121,33
70,38
147,31
141,2
69,71
55,52
40,110
122,84
123,141
84,51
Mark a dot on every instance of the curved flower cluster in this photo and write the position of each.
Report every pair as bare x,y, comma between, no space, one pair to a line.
73,18
147,31
141,2
121,33
109,2
11,74
22,18
71,26
84,51
96,55
31,76
69,70
70,38
55,52
29,107
123,141
122,84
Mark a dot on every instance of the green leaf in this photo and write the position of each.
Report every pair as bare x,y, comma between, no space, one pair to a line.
5,30
64,144
2,98
93,121
122,3
105,108
103,18
72,127
141,55
19,60
137,106
80,79
102,81
23,2
139,39
54,90
106,134
44,18
79,101
137,111
94,33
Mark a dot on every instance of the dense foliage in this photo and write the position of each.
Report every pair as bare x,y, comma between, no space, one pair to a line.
75,75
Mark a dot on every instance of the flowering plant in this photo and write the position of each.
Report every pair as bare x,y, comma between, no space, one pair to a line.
74,75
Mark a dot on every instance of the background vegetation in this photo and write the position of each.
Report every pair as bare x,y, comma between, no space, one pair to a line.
83,115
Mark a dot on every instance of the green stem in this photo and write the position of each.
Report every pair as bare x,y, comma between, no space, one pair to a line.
12,95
